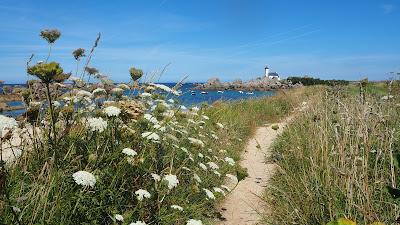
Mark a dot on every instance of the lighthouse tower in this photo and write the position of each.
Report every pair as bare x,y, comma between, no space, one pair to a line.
266,71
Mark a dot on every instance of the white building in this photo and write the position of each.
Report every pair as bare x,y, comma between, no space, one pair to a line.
271,75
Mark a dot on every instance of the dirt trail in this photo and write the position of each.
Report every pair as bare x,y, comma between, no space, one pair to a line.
244,205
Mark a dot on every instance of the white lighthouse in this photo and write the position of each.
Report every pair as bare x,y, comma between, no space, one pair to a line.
266,71
271,75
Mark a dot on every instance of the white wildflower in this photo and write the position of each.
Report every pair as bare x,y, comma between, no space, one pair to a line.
56,104
117,90
99,91
145,95
177,207
197,178
150,118
97,124
195,109
201,155
84,178
205,117
119,217
156,177
151,136
141,194
219,190
226,188
171,101
165,88
204,167
213,165
129,152
112,111
6,125
209,194
230,161
83,94
232,177
214,136
217,173
194,222
138,223
172,180
220,125
196,142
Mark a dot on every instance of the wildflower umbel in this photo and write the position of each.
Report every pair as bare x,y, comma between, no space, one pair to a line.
141,194
97,124
129,152
112,111
194,222
84,178
172,180
7,124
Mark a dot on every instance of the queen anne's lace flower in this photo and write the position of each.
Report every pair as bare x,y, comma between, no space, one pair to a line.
230,161
112,111
129,152
204,167
177,207
197,178
194,222
7,124
151,136
232,177
172,180
119,217
84,178
138,223
213,165
196,142
97,124
220,125
165,88
141,193
156,177
209,194
219,190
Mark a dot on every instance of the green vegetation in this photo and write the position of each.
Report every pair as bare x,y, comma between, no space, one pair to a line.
307,81
96,156
337,159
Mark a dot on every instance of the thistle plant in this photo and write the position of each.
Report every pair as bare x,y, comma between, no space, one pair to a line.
51,36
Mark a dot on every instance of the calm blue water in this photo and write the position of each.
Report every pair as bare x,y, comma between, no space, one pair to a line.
189,97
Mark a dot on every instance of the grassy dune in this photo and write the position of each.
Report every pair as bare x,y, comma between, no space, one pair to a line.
337,159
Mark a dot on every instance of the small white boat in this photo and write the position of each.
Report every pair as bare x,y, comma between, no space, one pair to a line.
250,93
241,92
220,92
204,92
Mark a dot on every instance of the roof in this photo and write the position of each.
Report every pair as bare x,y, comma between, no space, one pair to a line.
273,74
266,67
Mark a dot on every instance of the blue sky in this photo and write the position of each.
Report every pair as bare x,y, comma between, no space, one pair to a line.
229,39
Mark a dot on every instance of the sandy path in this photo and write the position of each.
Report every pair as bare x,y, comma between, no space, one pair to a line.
244,205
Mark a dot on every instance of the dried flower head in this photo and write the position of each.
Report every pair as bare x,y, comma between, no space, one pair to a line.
50,35
135,73
91,70
78,53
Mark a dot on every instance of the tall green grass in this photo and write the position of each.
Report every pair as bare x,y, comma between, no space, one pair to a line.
336,160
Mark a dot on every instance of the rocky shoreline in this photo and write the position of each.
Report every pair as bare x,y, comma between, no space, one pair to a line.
258,84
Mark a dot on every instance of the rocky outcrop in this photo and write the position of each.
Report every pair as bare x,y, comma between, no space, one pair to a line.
258,84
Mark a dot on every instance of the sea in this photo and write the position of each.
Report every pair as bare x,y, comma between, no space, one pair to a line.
188,98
